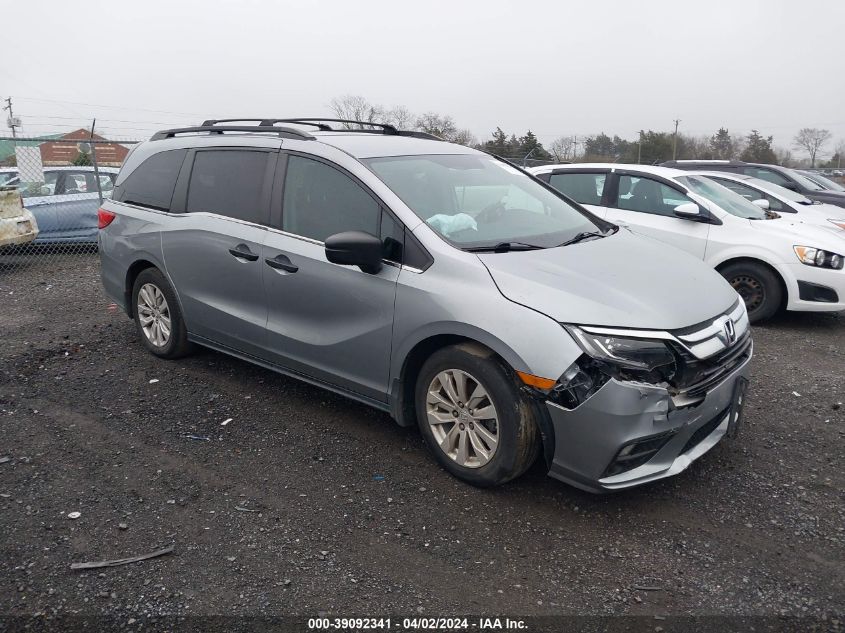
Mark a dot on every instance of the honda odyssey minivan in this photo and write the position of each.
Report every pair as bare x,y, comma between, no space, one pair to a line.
434,282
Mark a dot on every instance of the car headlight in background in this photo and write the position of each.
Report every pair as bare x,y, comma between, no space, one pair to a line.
818,257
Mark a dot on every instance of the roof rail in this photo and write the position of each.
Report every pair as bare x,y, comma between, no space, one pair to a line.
284,132
322,124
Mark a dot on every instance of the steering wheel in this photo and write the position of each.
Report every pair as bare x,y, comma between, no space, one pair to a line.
492,212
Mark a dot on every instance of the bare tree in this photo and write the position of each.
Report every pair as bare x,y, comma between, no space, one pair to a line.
561,148
784,157
399,117
464,137
811,140
356,108
439,125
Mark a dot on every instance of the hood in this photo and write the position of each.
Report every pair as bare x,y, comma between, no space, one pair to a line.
623,280
827,237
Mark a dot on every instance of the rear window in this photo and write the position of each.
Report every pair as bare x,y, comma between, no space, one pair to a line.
152,182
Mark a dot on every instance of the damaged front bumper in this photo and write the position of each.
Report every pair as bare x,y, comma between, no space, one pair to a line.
630,433
18,229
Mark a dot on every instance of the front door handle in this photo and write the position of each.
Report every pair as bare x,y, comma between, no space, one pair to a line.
241,251
282,262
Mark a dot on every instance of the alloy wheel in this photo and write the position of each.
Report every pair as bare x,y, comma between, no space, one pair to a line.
154,315
463,418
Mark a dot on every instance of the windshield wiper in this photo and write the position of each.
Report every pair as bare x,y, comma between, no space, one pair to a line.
504,247
580,237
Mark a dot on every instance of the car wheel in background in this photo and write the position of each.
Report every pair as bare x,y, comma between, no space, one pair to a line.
758,286
157,315
474,417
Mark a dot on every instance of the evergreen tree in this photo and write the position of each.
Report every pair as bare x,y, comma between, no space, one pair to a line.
758,149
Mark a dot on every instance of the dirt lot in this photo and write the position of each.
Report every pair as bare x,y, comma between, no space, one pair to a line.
306,503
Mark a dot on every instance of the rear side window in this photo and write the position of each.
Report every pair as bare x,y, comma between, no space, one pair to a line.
583,188
767,174
320,201
153,181
228,183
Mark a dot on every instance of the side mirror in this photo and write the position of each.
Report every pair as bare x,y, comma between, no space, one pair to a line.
763,204
355,248
688,211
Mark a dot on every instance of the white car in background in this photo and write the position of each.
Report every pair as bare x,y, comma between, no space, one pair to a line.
768,195
17,225
773,263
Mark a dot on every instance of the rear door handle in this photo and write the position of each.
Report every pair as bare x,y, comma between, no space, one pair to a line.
241,251
282,262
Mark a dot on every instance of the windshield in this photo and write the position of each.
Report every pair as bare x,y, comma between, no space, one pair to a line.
804,181
783,192
827,183
478,201
726,199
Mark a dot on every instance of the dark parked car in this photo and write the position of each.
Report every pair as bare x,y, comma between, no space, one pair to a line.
782,176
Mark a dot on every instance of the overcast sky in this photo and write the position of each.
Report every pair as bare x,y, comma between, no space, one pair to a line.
558,68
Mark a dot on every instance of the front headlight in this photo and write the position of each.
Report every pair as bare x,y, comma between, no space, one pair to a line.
818,257
631,353
607,356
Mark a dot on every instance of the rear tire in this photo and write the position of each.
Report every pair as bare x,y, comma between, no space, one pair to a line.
157,316
462,434
758,286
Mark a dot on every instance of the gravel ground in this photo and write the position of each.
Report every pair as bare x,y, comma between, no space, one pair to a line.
306,503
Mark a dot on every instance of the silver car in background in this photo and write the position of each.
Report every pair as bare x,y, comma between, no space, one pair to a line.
434,282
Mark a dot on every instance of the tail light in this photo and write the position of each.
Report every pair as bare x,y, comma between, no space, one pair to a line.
104,218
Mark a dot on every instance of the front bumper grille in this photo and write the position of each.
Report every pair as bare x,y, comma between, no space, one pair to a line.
697,376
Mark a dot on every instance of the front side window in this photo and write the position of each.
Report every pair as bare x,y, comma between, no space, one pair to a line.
726,199
152,182
645,195
583,188
477,201
230,183
320,201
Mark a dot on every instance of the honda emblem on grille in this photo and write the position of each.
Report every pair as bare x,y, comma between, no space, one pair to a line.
730,332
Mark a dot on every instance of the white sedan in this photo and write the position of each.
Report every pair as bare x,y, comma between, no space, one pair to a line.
768,195
773,263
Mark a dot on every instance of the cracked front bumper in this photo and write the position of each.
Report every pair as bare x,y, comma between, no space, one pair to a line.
589,437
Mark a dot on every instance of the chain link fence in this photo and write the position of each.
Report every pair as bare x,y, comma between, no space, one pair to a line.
50,190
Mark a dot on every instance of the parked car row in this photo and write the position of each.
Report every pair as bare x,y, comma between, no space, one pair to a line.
447,287
790,259
65,203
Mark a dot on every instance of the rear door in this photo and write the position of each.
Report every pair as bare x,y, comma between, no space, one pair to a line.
585,186
213,248
647,205
330,322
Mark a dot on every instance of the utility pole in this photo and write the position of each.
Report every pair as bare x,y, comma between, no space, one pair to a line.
575,148
675,140
12,123
640,149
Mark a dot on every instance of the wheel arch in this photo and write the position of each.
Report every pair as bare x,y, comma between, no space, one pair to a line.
761,262
404,384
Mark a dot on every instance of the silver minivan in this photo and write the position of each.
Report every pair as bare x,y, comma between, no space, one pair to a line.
434,282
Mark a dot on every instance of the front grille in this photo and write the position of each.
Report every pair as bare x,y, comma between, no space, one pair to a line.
697,376
703,431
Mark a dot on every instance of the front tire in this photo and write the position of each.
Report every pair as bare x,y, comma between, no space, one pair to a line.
157,316
474,417
758,286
